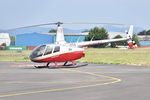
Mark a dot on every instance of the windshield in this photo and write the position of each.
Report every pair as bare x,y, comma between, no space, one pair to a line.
38,51
44,50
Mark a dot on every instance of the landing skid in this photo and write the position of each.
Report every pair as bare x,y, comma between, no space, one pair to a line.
40,66
68,66
63,66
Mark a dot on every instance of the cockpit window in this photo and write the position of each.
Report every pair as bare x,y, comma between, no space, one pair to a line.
44,50
70,49
38,51
49,50
56,49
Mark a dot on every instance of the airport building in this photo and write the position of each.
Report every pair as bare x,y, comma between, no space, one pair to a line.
35,39
144,40
5,39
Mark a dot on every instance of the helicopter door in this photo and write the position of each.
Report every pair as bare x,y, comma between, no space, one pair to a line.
56,49
48,50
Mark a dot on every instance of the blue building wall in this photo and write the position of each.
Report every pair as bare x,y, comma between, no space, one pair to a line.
144,43
33,39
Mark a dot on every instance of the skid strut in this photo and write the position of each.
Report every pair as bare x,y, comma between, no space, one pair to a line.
47,64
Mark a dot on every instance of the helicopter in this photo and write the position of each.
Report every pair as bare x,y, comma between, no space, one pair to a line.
64,52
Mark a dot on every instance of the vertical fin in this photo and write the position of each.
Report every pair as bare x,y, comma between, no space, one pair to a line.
130,32
129,35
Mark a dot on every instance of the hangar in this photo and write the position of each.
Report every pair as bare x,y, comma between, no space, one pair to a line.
35,39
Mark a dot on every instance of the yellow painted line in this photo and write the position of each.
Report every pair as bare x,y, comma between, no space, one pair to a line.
29,82
93,74
68,88
59,89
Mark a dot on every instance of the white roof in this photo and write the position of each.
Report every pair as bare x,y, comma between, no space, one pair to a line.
113,34
4,35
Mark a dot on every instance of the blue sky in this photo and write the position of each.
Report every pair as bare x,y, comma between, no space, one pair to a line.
16,13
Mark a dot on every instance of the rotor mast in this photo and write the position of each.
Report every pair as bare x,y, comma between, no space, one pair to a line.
60,34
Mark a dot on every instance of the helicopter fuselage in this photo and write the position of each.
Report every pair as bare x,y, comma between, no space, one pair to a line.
56,53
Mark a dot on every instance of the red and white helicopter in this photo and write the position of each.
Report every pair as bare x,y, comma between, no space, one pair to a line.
61,51
65,52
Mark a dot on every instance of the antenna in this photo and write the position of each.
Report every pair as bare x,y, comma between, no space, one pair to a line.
78,39
70,40
92,38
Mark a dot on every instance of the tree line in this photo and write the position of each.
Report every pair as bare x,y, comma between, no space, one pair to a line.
97,33
144,32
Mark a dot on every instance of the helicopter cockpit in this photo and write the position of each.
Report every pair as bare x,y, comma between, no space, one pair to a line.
44,50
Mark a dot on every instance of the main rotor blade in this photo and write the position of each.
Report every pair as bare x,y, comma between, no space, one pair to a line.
95,23
58,23
31,26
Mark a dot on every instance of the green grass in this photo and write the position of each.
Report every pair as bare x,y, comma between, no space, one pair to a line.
14,53
94,55
117,56
9,55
